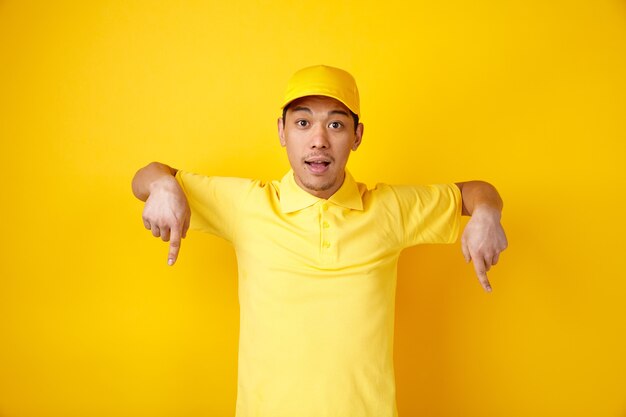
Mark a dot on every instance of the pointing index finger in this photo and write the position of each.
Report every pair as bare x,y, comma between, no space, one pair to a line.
174,247
479,267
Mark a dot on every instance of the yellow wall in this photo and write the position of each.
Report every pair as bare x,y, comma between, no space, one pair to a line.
529,95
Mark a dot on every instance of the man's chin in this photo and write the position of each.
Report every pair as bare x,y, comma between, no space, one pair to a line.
316,184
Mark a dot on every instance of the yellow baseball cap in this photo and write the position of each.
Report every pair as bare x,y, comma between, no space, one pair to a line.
322,80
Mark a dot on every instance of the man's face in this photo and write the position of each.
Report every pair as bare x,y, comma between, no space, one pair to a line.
319,134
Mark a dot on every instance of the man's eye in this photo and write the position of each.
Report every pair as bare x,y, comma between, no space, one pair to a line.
302,123
336,125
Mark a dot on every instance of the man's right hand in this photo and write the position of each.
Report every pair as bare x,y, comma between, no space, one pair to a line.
166,212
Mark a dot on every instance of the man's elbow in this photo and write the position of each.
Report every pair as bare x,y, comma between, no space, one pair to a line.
478,192
144,176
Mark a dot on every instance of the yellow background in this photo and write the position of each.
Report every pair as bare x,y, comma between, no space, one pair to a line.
529,95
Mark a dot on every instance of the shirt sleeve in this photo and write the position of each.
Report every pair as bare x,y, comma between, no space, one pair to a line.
429,213
214,202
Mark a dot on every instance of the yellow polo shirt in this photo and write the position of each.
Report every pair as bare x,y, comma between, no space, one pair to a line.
317,282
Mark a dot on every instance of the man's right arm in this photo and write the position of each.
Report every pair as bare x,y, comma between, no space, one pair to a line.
166,212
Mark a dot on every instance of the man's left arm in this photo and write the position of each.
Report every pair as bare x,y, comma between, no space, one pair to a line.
483,238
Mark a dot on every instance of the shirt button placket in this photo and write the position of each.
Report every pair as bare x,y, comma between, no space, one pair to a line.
325,235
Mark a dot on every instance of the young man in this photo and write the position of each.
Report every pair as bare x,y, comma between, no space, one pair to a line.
317,255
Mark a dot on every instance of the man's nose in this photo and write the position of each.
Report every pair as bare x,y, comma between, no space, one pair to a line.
319,137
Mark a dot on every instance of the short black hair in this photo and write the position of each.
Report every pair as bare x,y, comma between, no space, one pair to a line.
355,116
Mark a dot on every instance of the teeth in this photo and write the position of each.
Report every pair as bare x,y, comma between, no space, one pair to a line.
317,162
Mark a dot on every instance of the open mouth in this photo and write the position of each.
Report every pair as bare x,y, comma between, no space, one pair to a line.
317,165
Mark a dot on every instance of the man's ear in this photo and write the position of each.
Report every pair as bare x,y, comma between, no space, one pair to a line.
281,131
358,136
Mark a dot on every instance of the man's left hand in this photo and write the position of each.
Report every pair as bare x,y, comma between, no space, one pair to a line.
483,240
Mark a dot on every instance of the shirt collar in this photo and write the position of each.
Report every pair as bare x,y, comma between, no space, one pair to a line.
294,198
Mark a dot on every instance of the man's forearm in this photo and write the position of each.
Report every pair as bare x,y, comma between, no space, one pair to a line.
479,195
147,176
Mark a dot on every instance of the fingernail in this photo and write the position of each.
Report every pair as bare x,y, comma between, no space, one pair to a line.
170,262
488,289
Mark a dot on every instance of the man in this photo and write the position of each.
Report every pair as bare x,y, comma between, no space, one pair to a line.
317,255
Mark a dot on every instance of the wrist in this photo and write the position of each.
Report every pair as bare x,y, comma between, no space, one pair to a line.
163,183
486,211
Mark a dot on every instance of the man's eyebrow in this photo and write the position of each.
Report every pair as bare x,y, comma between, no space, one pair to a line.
345,113
302,108
308,110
